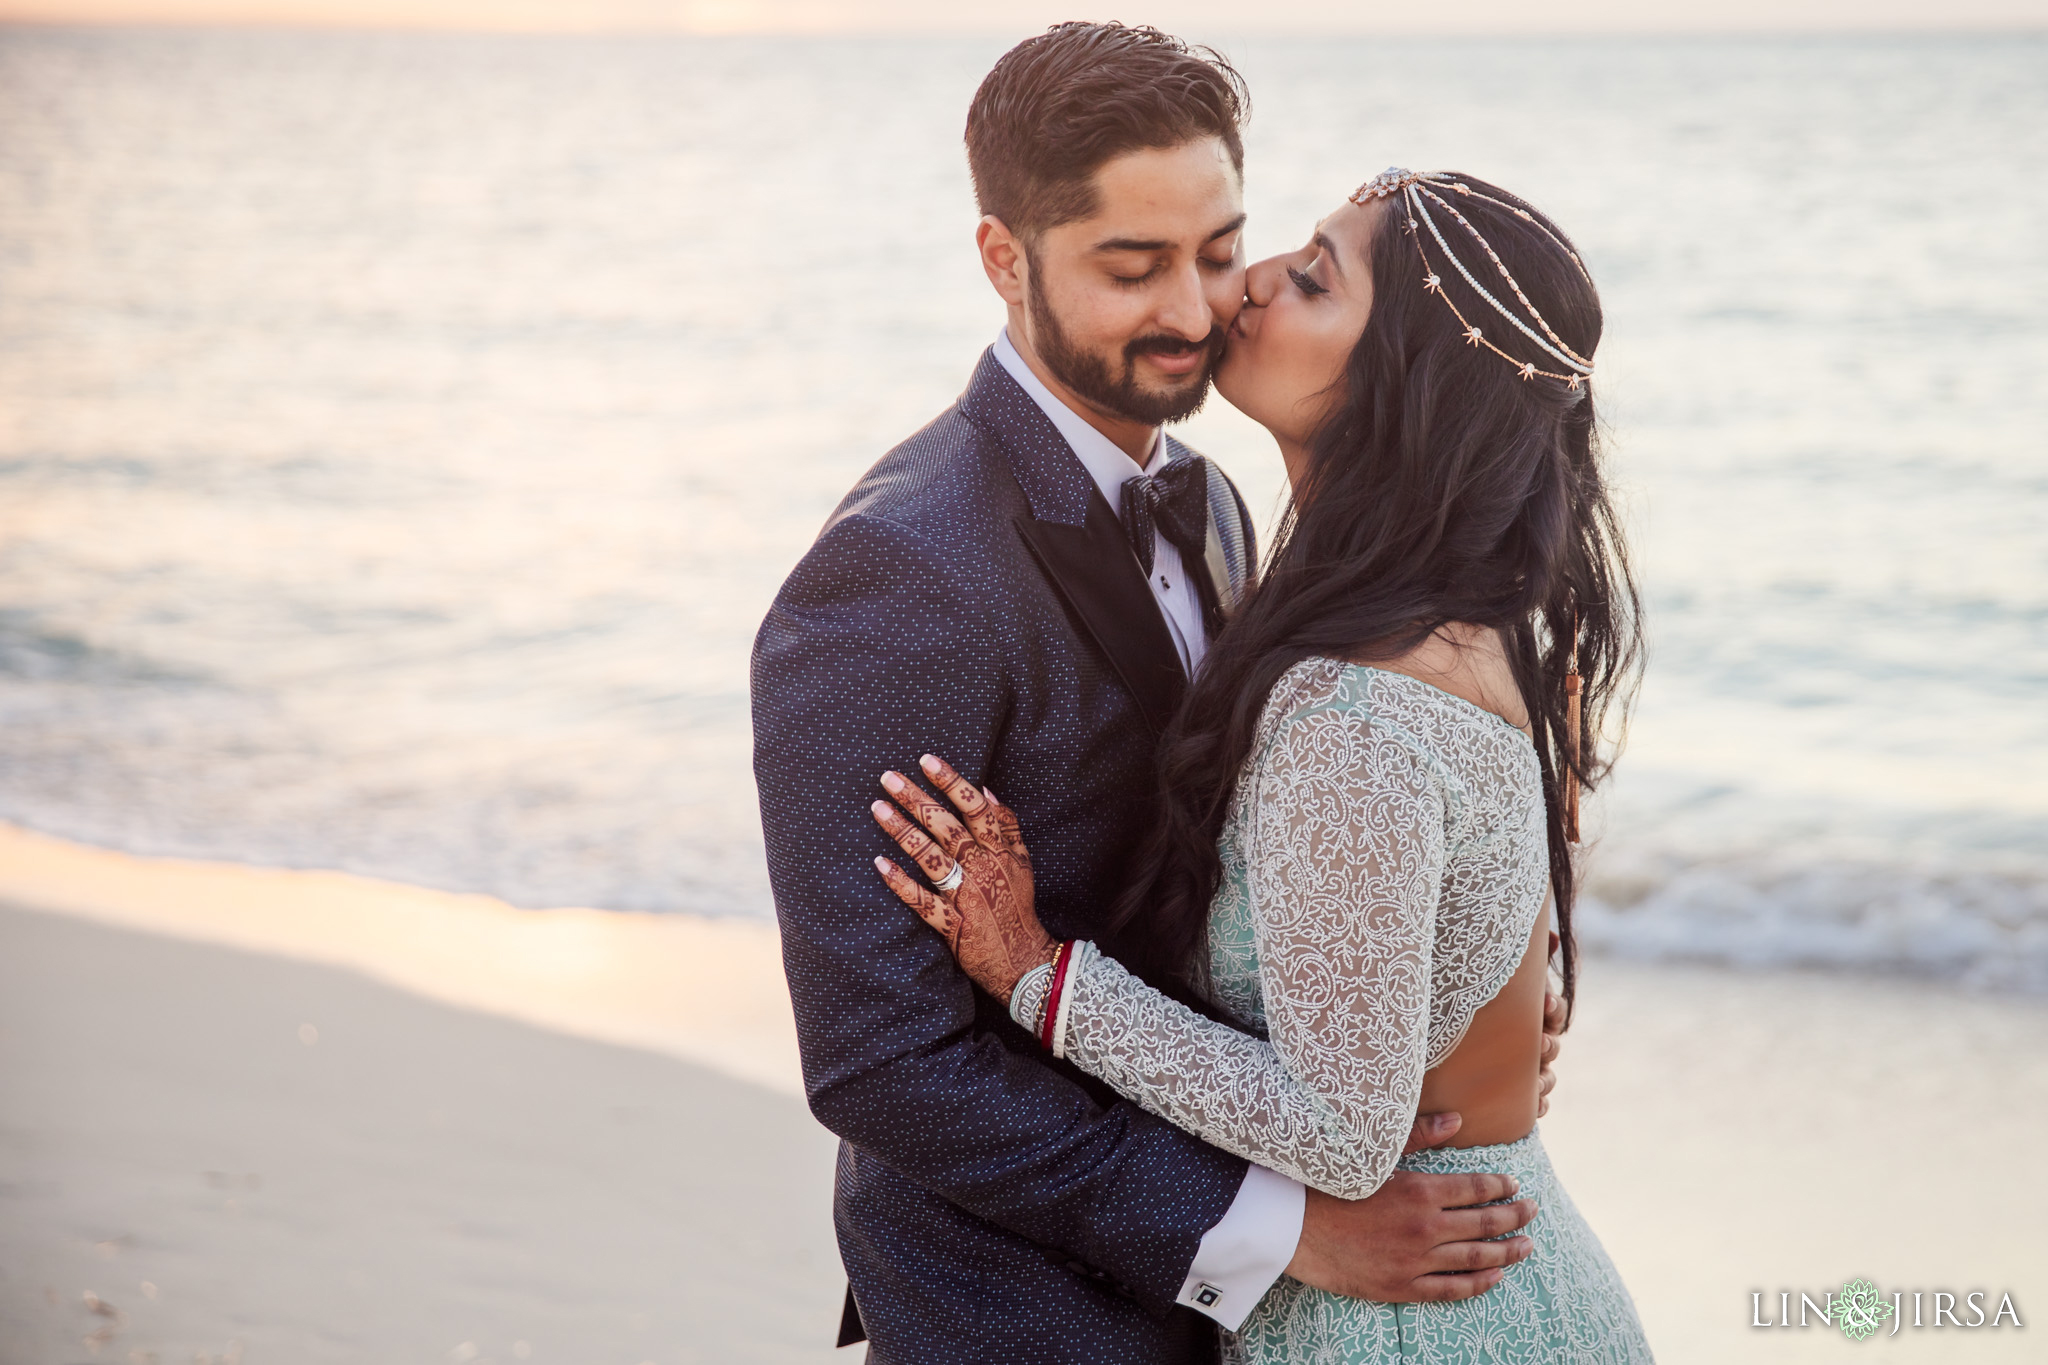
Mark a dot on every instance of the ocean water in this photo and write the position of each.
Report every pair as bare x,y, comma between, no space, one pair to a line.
402,436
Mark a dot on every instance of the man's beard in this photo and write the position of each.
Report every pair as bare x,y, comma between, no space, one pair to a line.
1089,375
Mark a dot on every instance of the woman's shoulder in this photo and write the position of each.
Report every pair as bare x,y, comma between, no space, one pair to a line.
1336,714
1329,705
1469,663
1461,672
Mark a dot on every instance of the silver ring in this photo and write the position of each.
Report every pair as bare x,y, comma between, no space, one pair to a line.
951,881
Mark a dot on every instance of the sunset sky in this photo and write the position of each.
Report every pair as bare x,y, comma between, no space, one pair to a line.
1500,16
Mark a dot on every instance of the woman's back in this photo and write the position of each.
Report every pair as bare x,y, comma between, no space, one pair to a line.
1490,1078
1385,866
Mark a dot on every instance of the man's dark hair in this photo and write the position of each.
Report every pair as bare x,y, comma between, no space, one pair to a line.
1058,106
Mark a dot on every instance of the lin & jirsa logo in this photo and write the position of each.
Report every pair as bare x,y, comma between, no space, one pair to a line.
1860,1310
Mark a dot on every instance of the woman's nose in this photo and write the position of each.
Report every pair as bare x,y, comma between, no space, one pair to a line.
1261,279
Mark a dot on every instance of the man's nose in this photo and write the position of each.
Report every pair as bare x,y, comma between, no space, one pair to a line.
1185,310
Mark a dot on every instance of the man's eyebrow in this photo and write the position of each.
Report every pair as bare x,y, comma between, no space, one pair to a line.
1224,231
1161,244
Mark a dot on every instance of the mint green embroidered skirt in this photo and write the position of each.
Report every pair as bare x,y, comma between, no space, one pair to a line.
1564,1305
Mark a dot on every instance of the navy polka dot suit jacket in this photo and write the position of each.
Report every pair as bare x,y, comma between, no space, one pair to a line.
974,597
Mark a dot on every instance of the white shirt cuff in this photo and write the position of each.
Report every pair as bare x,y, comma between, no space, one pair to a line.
1248,1249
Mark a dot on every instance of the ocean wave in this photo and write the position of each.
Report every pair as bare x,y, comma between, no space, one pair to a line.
36,653
1982,928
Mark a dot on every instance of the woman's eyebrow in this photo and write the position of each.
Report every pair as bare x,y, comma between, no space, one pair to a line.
1329,248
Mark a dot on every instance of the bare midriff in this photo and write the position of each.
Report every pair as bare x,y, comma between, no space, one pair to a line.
1490,1078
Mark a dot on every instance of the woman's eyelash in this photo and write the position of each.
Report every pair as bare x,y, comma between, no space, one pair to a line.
1304,283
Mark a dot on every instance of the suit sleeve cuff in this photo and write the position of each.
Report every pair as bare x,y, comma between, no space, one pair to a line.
1248,1249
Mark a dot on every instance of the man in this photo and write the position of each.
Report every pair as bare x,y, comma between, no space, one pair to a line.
978,595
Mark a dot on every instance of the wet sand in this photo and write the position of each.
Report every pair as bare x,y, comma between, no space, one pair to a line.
579,1130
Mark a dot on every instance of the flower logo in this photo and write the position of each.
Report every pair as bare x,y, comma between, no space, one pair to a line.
1859,1309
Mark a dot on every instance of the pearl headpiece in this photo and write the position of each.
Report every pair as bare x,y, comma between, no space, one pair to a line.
1417,190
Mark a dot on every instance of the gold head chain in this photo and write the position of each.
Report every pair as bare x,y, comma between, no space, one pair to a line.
1417,190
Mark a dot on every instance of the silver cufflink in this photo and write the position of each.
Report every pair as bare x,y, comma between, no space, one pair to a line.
1208,1295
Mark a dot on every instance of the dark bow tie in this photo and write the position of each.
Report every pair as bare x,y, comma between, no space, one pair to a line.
1173,503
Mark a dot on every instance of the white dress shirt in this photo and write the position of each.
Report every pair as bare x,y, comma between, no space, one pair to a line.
1249,1248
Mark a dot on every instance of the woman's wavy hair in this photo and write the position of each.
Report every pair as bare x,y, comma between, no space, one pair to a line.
1442,487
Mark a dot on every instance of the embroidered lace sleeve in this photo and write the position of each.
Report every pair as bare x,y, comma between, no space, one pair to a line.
1346,818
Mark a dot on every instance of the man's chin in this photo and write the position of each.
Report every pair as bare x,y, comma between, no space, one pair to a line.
1172,403
1170,398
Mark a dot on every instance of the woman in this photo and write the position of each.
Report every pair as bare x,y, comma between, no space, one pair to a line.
1344,914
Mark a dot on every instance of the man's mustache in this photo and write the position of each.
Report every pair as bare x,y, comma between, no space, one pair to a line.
1162,344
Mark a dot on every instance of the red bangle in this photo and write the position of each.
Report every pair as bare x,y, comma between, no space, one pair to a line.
1060,958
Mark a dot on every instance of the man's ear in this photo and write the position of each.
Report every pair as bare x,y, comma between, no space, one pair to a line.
1002,257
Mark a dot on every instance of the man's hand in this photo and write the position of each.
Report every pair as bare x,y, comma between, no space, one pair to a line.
1555,1017
1553,1025
1418,1238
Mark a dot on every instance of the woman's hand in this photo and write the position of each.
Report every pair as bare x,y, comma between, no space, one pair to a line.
988,920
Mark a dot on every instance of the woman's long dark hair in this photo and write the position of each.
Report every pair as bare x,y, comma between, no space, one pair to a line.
1444,487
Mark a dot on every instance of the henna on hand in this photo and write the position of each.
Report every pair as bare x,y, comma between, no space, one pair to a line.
990,921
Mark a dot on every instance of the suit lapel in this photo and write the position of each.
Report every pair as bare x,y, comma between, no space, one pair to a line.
1079,544
1096,574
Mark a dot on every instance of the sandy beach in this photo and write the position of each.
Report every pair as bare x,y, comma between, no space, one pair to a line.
211,1155
260,1115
